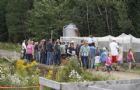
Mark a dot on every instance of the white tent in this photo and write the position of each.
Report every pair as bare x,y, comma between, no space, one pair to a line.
126,41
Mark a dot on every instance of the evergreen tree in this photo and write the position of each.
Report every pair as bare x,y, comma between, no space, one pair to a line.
134,15
3,27
16,19
21,19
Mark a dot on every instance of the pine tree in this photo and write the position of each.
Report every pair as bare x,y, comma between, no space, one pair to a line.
16,19
3,27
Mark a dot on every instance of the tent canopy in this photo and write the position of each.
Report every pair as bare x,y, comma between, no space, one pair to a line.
124,40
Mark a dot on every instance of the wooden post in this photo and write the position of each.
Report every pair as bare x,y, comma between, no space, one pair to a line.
51,35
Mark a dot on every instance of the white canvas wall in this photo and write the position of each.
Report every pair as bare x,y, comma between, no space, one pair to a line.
126,41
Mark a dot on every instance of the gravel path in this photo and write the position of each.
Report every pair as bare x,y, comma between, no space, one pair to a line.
121,75
9,54
125,75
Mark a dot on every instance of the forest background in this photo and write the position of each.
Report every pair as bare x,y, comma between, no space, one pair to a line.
36,19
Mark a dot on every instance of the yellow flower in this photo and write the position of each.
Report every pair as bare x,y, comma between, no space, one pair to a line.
23,67
49,74
28,65
20,62
34,63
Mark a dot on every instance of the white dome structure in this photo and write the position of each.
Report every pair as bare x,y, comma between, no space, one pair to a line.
70,30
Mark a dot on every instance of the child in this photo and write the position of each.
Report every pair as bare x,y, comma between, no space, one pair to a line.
120,58
108,63
103,56
97,62
130,58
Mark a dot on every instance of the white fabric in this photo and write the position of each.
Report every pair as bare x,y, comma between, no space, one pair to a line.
73,53
97,59
114,48
63,49
126,41
91,40
23,45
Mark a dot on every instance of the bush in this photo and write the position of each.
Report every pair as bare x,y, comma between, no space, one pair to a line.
70,72
73,73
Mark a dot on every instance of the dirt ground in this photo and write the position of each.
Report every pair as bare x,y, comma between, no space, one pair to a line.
119,75
125,75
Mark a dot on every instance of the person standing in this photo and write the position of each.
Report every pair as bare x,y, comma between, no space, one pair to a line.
71,51
78,52
29,51
84,53
114,50
130,58
41,49
91,39
36,51
57,54
50,50
24,49
92,55
108,63
103,56
120,58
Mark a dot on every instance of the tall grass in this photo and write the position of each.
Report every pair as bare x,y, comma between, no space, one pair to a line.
80,74
10,46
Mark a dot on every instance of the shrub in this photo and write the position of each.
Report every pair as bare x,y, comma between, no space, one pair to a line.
71,72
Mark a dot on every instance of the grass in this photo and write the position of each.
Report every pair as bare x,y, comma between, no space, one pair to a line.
10,46
135,70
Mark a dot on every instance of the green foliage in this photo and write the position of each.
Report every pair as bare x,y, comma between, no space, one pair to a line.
73,73
96,76
13,77
5,70
3,28
124,22
16,19
64,72
10,46
23,19
134,14
47,16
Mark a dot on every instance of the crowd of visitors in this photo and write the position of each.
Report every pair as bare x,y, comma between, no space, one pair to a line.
88,55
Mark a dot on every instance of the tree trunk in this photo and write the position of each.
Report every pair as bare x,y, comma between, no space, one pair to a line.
99,10
111,23
107,22
88,19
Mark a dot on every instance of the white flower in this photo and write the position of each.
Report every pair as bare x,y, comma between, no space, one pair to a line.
75,75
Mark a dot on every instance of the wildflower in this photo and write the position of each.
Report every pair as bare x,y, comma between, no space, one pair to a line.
49,74
74,75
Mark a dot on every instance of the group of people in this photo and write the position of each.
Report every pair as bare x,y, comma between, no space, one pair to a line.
49,52
108,58
88,55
